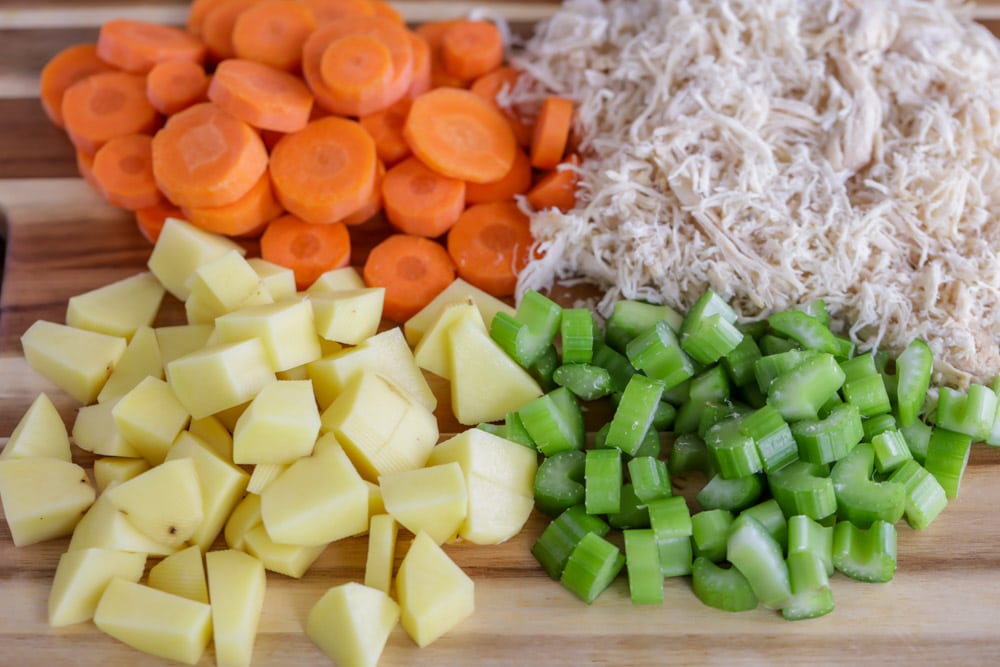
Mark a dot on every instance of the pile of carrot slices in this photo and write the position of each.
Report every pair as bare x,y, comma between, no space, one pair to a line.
293,120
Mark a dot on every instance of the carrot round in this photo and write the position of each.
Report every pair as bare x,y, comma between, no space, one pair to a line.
136,46
420,201
471,48
557,188
217,27
422,70
373,205
63,70
205,156
307,249
433,32
385,10
357,72
324,172
150,220
497,82
412,269
328,11
273,32
175,85
490,244
265,97
85,165
123,169
244,217
107,105
548,142
514,182
386,128
459,135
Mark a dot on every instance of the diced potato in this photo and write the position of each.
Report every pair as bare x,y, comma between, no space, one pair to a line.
286,328
181,573
94,430
434,593
236,584
212,431
456,292
181,339
230,416
499,480
382,532
432,499
349,316
279,426
381,428
161,624
140,360
319,499
279,280
180,249
75,360
375,502
219,377
263,474
334,280
110,470
43,498
432,352
119,308
226,283
105,527
351,624
486,384
244,518
81,578
149,418
164,503
287,559
297,373
197,311
40,433
222,486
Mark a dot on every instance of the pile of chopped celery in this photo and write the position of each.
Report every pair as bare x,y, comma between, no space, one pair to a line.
812,452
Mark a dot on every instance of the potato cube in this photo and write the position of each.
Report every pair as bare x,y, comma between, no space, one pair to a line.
286,329
181,573
40,433
164,502
351,624
95,430
375,503
382,532
119,308
432,499
434,593
287,559
349,316
105,527
161,624
432,352
149,418
140,360
110,470
211,430
279,280
219,377
226,283
181,339
81,578
180,249
43,498
236,583
334,280
263,474
458,291
244,518
279,426
75,360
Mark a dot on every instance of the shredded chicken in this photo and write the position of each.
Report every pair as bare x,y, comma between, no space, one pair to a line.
781,152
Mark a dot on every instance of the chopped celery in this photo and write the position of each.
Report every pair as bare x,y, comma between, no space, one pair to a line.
865,554
831,438
804,534
663,416
804,329
576,333
650,478
758,556
670,520
709,533
925,497
632,512
804,488
559,481
918,438
800,392
587,381
971,413
770,366
769,514
721,588
733,454
739,362
878,424
772,437
817,310
773,344
868,394
592,566
860,499
561,536
913,379
617,365
634,414
710,338
658,354
602,481
688,453
631,318
515,431
891,450
714,412
810,584
545,367
642,564
947,456
730,494
494,429
707,305
859,367
554,421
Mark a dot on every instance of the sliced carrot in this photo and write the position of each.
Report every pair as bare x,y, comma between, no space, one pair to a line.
326,171
136,46
217,27
548,142
459,135
150,220
422,69
490,244
175,85
420,201
499,82
273,32
205,156
557,188
123,169
328,11
244,217
385,10
386,128
107,105
433,32
357,72
412,269
470,49
271,138
515,182
371,207
85,165
197,12
62,71
266,97
307,249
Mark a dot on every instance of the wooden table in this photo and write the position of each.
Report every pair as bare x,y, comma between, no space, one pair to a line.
943,605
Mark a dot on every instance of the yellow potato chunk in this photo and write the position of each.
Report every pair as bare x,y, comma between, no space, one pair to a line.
180,249
244,518
279,280
220,376
110,470
382,532
163,503
434,593
263,474
95,430
140,360
348,316
432,500
224,284
279,426
150,417
105,527
286,328
458,291
181,573
432,352
181,339
119,308
40,433
351,624
287,559
335,280
76,360
236,584
81,578
43,498
214,433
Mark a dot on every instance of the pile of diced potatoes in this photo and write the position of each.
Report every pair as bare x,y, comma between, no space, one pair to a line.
282,421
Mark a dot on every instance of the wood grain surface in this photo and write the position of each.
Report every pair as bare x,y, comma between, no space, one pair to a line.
61,239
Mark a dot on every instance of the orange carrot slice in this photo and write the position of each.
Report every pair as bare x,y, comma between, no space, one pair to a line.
515,182
471,48
205,156
459,135
422,70
244,217
433,33
107,105
217,27
557,188
273,32
412,269
324,172
150,220
328,11
123,169
548,142
490,244
373,205
497,82
420,201
307,249
266,97
85,165
357,72
385,10
136,46
386,128
63,70
175,85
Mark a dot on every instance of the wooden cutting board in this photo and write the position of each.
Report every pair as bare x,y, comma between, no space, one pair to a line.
943,605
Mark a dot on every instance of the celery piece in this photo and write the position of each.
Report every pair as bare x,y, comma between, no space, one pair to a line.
541,315
730,494
688,418
971,413
889,379
688,453
865,554
918,438
712,413
868,394
515,431
844,347
925,497
650,478
663,416
812,596
757,555
709,533
586,381
707,305
559,482
739,362
642,564
631,318
650,445
632,512
751,395
658,354
545,367
769,514
800,392
772,437
592,566
878,424
859,367
554,421
804,534
831,438
804,488
770,366
913,379
617,365
891,451
711,384
499,430
804,329
514,338
947,456
602,480
678,395
634,414
576,333
710,338
676,556
722,588
733,454
860,499
561,536
670,520
817,310
774,344
993,439
754,329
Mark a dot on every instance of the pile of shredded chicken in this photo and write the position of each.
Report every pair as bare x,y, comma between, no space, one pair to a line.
780,152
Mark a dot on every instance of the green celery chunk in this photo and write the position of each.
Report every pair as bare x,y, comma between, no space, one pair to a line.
913,379
591,567
712,384
712,413
800,392
561,536
891,451
559,482
710,532
774,344
678,395
739,362
812,596
642,564
499,430
829,439
545,367
602,479
730,494
860,499
758,556
658,354
541,314
722,588
769,514
670,520
733,454
650,478
754,329
707,305
770,366
971,413
993,439
515,431
554,421
804,534
617,365
918,438
576,332
631,318
586,381
878,424
710,339
859,367
634,414
865,554
817,310
804,329
947,456
804,488
869,394
664,416
772,436
632,512
688,453
514,338
925,497
650,446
